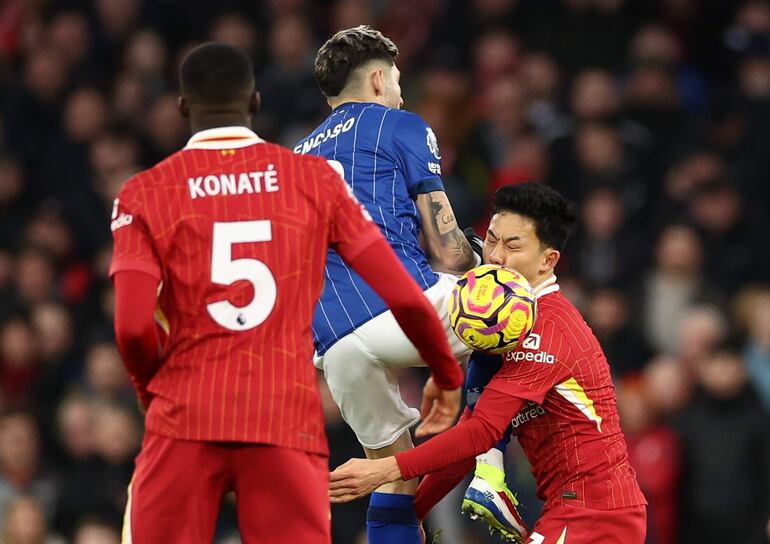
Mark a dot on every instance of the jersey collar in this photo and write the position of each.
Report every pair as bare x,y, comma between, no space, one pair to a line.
547,287
223,138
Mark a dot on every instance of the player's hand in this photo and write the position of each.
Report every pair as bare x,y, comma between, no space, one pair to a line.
359,477
438,410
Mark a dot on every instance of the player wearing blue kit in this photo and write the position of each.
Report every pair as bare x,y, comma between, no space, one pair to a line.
391,161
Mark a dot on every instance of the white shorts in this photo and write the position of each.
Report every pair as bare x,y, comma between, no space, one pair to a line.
362,368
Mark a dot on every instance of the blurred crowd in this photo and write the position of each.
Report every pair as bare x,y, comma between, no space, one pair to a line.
654,115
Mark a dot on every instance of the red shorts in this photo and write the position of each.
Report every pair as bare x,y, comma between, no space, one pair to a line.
282,495
564,524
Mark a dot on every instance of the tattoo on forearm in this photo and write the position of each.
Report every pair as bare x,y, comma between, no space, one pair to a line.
453,240
442,214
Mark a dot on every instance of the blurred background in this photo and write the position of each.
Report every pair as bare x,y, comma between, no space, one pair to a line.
653,114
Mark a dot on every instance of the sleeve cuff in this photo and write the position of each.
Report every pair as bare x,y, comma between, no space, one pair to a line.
403,466
137,266
428,185
453,379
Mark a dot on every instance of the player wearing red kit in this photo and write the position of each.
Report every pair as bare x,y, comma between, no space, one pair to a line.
233,232
556,391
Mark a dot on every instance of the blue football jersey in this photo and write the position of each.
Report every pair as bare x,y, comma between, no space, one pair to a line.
389,157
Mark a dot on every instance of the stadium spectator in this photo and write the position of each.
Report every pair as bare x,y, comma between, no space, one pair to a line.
25,523
605,250
700,330
608,314
12,189
18,361
725,456
667,385
653,449
752,308
288,83
674,284
21,472
96,531
79,453
106,379
238,31
729,228
544,81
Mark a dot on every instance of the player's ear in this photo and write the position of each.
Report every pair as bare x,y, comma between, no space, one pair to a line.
378,81
255,103
550,258
184,109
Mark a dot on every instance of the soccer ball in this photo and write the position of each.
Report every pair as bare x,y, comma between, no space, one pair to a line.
492,309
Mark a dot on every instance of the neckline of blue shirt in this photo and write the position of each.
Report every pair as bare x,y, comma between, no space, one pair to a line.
350,104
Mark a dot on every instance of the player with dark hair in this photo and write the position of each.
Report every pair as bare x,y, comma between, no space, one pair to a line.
227,240
555,390
342,61
391,160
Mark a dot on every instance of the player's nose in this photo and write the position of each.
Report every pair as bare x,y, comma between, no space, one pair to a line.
496,257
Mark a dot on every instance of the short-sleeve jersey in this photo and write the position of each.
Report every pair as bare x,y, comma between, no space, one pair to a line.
389,157
570,431
237,229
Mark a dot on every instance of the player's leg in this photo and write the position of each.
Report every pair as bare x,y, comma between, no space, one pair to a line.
362,373
384,338
282,495
488,496
369,399
391,516
175,494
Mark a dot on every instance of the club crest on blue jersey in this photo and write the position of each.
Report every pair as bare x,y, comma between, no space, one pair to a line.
432,143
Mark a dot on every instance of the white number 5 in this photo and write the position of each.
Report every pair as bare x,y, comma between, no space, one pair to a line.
225,270
536,538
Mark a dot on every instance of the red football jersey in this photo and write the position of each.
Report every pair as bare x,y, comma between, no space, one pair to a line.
570,431
237,229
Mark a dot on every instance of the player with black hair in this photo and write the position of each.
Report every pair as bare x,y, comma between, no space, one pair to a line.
554,390
217,86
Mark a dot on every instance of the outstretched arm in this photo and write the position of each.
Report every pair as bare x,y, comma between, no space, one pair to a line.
447,247
493,414
435,486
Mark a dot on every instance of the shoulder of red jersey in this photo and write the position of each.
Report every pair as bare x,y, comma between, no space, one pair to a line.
555,304
155,174
134,185
556,315
559,326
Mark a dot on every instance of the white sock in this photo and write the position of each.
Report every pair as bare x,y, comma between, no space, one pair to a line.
493,457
